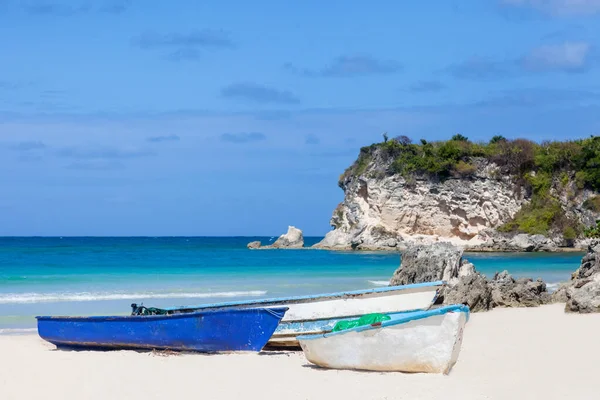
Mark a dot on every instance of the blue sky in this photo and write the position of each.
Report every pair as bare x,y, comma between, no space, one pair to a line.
237,117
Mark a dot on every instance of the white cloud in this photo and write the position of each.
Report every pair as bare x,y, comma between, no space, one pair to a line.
559,7
568,56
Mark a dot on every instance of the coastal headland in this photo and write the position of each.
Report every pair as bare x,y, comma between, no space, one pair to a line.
503,195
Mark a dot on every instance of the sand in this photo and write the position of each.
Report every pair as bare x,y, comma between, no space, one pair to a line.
538,353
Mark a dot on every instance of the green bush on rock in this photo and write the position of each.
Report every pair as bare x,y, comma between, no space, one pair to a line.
593,232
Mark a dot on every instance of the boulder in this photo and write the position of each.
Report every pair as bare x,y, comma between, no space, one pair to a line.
560,295
472,290
583,291
428,263
498,241
293,239
443,261
254,245
584,296
525,292
590,263
523,242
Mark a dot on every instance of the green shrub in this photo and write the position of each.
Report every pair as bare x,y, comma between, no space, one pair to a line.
403,139
569,233
580,178
557,156
535,218
362,164
593,204
593,232
464,169
540,182
516,157
564,179
588,162
460,138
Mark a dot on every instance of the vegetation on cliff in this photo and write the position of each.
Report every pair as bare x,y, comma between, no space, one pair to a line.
538,168
593,232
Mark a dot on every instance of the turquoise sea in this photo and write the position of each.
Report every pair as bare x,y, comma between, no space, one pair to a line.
85,276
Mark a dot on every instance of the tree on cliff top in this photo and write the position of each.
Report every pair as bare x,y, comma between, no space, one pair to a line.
460,138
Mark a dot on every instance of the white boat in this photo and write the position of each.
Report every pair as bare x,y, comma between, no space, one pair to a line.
319,313
422,341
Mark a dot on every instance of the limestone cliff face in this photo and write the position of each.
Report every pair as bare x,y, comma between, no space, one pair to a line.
384,211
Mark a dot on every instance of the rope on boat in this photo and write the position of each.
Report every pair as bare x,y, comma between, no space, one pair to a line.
143,310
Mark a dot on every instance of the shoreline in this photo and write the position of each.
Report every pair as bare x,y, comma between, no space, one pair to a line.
535,358
558,250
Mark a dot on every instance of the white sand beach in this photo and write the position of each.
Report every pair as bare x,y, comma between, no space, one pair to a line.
536,353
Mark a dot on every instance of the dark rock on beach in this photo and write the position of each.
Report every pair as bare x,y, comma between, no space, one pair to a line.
472,290
582,293
524,292
428,263
443,261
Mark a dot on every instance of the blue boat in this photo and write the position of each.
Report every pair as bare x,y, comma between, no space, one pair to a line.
206,331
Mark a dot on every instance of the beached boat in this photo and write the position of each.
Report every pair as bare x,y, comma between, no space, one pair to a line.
319,313
204,331
423,341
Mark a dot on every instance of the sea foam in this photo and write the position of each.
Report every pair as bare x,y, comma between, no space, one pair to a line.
379,283
16,331
20,298
553,286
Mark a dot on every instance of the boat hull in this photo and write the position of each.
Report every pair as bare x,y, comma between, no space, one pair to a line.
424,341
319,313
206,331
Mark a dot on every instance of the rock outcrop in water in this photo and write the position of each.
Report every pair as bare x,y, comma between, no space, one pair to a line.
443,261
292,239
387,208
254,245
582,293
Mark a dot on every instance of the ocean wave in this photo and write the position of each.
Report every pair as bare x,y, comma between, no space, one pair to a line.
16,331
379,283
553,286
20,298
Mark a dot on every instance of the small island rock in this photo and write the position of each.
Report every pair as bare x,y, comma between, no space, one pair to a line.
293,239
254,245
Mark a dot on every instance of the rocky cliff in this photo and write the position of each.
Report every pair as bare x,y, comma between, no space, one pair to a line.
475,200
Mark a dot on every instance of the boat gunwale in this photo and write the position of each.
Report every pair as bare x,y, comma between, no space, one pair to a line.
340,318
393,322
316,297
140,318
